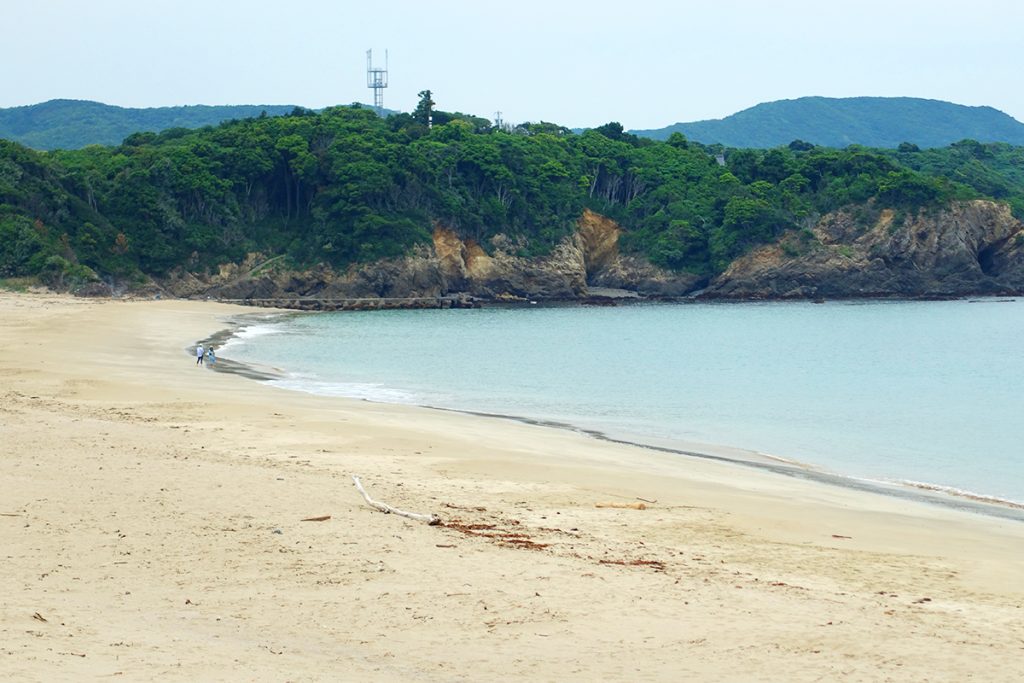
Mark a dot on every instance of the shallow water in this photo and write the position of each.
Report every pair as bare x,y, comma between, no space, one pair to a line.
894,391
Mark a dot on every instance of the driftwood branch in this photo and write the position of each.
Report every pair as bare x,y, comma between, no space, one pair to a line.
387,509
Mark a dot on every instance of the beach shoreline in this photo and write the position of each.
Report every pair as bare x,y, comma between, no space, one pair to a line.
926,492
154,528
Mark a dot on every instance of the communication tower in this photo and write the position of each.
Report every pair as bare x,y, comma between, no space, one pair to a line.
378,80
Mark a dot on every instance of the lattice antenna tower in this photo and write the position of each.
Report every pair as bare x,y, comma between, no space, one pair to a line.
378,80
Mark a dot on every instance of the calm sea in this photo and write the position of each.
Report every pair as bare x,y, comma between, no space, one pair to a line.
928,392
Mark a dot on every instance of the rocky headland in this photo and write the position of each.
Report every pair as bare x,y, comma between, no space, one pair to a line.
967,248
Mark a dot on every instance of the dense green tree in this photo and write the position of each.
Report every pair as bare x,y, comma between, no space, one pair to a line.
424,108
344,186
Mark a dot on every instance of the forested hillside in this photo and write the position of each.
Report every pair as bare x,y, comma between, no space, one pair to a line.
837,122
346,186
73,124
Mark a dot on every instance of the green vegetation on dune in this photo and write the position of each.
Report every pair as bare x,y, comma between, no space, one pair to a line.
882,122
345,186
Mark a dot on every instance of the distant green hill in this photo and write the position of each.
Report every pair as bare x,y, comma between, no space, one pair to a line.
837,122
73,124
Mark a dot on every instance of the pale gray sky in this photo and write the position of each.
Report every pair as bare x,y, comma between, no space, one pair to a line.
645,63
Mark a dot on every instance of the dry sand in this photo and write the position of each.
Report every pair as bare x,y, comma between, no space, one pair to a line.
150,529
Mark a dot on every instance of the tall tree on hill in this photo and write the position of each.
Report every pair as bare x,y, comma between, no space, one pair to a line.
424,110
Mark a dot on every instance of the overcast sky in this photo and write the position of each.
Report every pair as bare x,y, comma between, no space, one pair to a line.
645,63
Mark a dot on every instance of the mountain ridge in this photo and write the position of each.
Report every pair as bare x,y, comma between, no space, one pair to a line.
881,122
73,124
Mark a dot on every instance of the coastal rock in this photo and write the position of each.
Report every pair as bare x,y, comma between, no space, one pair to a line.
415,275
451,267
639,275
606,267
94,290
974,247
599,238
452,255
503,274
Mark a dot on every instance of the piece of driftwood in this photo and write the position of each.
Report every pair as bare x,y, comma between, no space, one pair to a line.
321,518
432,520
625,506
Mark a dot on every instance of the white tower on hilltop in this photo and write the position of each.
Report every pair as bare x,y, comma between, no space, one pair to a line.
378,80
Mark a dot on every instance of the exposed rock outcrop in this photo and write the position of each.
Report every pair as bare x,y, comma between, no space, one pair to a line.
451,266
606,267
599,238
504,274
974,247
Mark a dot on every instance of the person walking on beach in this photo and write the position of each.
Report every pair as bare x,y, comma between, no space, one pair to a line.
199,354
212,356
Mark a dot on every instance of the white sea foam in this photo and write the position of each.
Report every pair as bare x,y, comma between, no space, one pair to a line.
961,493
360,390
250,332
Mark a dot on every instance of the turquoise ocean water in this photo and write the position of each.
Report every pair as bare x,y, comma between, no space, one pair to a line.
926,392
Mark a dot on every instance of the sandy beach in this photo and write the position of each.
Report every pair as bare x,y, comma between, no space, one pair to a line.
151,524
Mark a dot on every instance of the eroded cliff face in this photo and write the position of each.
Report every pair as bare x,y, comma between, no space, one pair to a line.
599,239
416,275
974,247
451,266
587,258
606,267
503,274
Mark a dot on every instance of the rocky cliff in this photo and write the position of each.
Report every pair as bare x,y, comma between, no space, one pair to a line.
974,247
606,267
452,266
